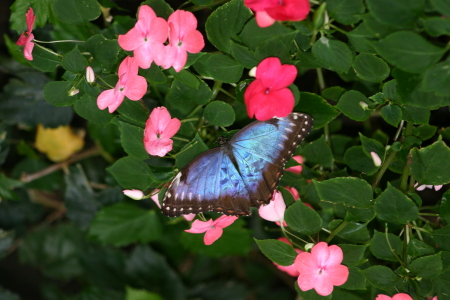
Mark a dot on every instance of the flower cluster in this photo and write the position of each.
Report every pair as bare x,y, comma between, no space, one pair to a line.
213,229
26,38
269,96
269,11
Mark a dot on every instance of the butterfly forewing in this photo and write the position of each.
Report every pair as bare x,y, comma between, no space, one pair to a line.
241,173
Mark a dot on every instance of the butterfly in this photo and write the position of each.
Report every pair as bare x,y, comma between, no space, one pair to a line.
241,173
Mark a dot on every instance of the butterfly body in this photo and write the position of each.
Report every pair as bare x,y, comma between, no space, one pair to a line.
241,173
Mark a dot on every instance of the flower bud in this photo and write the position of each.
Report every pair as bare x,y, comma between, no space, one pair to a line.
376,159
252,72
73,92
309,246
90,76
363,105
134,194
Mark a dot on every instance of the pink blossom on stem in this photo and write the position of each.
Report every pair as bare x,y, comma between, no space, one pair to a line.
130,84
296,169
269,11
291,270
321,269
183,38
146,38
269,96
26,38
213,229
274,211
159,129
399,296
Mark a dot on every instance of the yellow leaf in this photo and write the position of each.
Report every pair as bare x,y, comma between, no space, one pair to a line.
58,143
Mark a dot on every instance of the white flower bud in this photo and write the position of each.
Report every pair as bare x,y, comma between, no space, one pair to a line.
376,159
90,76
363,105
134,194
73,92
252,72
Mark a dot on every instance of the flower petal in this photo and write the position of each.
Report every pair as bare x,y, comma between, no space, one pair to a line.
212,235
290,10
224,221
131,40
323,286
158,147
171,128
335,255
336,275
274,211
135,88
296,169
110,99
263,19
200,226
274,75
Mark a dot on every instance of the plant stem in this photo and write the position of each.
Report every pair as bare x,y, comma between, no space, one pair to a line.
383,169
336,231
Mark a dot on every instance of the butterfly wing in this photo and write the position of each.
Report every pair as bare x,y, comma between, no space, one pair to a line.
209,182
261,150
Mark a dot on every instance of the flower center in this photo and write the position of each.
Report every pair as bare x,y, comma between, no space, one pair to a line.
267,91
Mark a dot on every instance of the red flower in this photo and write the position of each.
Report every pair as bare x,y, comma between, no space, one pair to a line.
146,38
321,269
130,84
399,296
26,38
159,128
296,169
291,270
183,38
213,229
269,11
268,96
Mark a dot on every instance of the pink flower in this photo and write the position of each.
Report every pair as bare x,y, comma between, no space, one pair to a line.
376,159
130,84
146,38
269,11
432,298
268,95
291,270
159,129
26,38
134,194
424,186
296,169
183,38
399,296
294,192
274,211
321,269
213,229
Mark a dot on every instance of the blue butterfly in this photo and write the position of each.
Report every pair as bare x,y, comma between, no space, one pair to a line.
241,173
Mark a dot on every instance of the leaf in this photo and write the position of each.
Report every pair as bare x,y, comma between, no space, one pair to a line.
442,237
392,114
353,254
123,224
74,61
303,218
430,164
437,79
381,277
76,12
135,294
219,113
418,248
428,267
223,68
253,36
395,207
57,93
58,143
131,173
87,108
381,248
105,51
44,61
223,25
333,54
277,251
346,11
193,149
132,139
370,68
350,105
399,12
356,158
354,232
179,90
350,191
409,51
317,107
319,152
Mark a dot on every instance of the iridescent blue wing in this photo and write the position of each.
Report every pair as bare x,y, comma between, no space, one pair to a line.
241,173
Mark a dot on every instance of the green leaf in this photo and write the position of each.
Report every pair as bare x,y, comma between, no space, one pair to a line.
333,93
223,68
243,55
333,54
392,114
442,238
444,210
381,277
277,251
395,207
74,61
161,8
346,11
133,112
415,114
185,77
135,294
399,12
131,173
87,108
192,149
105,51
44,61
430,164
57,93
219,113
408,51
428,267
418,248
441,6
371,68
424,132
350,191
319,152
355,281
371,145
353,254
350,105
6,187
302,218
354,232
253,36
356,158
437,26
437,79
123,224
223,25
132,140
200,95
317,107
380,247
76,12
153,74
79,198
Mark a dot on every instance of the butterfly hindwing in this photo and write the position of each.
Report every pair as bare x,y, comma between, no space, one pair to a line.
239,174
